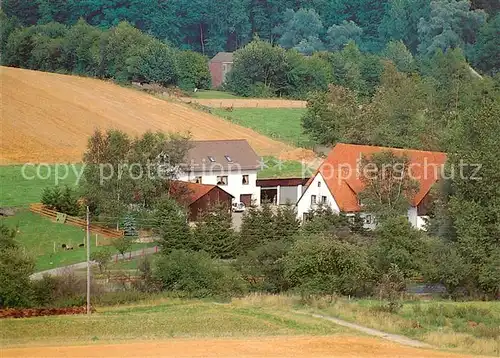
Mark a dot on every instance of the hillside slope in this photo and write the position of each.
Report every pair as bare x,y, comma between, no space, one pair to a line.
47,117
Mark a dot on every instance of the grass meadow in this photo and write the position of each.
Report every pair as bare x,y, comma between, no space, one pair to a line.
212,94
38,234
22,186
163,318
280,169
283,124
472,327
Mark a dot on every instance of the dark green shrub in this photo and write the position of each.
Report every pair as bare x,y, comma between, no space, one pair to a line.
263,267
328,266
64,201
196,274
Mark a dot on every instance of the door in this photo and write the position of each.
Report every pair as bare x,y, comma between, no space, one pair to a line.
246,199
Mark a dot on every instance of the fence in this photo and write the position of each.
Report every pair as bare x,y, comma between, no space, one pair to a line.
39,209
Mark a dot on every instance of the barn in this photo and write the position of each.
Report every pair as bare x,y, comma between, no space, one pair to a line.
199,198
220,65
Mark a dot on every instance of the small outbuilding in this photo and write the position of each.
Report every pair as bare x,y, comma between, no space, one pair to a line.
199,198
220,66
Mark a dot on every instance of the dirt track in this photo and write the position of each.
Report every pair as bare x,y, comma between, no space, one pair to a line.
47,117
247,103
304,347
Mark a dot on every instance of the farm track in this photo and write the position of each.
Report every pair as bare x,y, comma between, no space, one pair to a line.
246,103
48,117
301,346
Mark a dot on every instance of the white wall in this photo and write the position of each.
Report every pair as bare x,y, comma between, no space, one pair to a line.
413,216
234,185
304,203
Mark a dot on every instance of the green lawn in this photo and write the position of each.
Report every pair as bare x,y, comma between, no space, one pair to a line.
462,326
283,124
161,319
280,169
38,234
20,187
212,94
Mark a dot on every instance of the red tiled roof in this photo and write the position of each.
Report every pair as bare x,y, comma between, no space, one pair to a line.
188,192
345,187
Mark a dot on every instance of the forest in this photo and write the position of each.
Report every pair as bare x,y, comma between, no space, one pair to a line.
210,26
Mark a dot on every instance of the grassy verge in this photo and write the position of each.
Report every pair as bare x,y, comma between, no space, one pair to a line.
283,124
162,319
280,169
472,327
22,186
38,234
212,94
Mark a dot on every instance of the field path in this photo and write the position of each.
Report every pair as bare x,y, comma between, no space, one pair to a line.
301,346
82,265
373,332
246,103
48,117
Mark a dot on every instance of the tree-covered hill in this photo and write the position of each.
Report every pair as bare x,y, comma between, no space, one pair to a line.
209,26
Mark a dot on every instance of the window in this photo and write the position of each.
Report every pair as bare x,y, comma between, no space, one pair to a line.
319,184
368,219
198,180
323,199
212,159
228,158
313,199
222,180
245,180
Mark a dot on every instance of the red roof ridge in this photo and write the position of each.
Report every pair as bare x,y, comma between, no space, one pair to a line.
345,189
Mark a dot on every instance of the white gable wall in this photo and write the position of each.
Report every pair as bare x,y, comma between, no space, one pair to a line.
234,186
304,203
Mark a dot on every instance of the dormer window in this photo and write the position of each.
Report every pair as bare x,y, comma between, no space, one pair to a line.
212,159
228,158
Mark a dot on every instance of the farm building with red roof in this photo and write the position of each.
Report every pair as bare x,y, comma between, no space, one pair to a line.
337,182
199,198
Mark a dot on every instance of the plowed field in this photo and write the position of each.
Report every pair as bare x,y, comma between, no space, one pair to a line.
303,347
47,117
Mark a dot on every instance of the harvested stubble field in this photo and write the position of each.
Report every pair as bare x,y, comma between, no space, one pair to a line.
190,328
245,102
47,117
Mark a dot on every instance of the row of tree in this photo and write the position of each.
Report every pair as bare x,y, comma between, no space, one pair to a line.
122,53
208,26
407,109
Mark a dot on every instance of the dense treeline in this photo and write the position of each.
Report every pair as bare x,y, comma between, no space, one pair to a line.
209,26
122,53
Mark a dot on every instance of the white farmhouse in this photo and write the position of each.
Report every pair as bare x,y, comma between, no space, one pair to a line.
229,164
337,182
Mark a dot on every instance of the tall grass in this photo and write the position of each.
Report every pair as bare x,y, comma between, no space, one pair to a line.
462,326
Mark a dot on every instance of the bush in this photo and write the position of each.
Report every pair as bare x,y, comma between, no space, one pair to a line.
397,243
328,266
102,257
66,290
391,287
64,201
171,225
193,70
214,233
122,244
15,270
264,268
196,274
15,284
